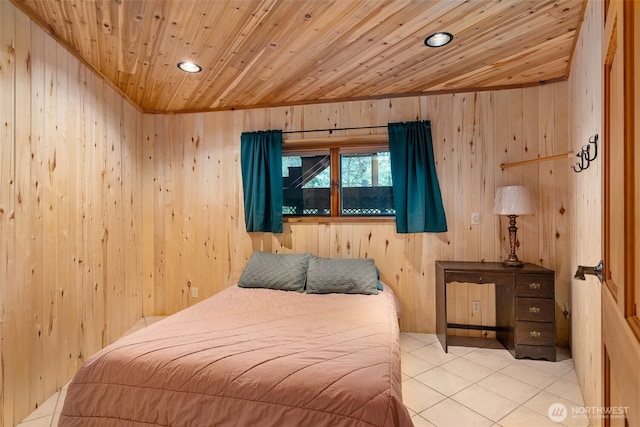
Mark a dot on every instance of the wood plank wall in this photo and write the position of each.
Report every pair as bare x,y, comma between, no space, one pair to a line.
585,120
193,181
70,215
87,182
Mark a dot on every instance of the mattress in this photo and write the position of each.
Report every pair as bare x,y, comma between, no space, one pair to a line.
251,357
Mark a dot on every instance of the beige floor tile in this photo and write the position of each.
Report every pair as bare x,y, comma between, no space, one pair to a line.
150,320
38,422
418,421
471,342
485,402
443,381
470,371
409,343
542,401
434,354
567,390
460,350
411,365
140,324
450,413
491,358
576,420
571,376
509,387
498,349
529,375
524,417
425,338
558,369
61,398
418,397
47,408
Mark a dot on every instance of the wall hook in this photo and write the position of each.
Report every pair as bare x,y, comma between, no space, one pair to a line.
585,155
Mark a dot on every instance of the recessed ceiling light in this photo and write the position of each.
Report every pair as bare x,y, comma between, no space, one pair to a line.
438,39
189,67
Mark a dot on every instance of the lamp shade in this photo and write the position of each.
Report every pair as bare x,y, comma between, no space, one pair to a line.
513,200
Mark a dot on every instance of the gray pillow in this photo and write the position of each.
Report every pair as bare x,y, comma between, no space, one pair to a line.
346,276
287,272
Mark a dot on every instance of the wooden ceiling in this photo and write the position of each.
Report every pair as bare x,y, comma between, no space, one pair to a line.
257,53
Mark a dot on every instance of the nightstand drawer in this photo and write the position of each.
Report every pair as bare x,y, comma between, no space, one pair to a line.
535,309
477,277
534,285
535,333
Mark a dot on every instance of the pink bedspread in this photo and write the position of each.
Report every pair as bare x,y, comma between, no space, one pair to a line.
251,357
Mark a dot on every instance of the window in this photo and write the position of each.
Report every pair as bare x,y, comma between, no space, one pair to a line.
337,182
365,184
306,182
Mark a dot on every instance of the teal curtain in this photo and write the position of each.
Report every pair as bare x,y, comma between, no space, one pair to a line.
261,161
416,191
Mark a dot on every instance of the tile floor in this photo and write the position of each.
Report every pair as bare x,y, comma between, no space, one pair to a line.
478,383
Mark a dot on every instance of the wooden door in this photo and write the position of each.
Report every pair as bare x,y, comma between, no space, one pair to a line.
621,191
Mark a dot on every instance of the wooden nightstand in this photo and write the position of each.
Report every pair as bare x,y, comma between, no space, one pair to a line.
525,313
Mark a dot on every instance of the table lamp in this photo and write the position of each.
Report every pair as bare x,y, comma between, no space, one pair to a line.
512,201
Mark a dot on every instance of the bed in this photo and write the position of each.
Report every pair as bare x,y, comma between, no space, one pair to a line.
251,356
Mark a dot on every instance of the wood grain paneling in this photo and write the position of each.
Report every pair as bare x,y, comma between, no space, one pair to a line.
200,240
266,53
106,213
70,215
585,226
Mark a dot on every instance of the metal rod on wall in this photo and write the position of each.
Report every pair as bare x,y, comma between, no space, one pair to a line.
330,130
537,160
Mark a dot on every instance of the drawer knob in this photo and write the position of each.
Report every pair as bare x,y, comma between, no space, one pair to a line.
534,286
534,309
535,334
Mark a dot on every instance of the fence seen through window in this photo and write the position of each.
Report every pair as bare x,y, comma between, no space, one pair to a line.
335,183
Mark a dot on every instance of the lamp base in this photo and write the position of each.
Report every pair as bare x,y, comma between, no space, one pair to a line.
512,260
513,263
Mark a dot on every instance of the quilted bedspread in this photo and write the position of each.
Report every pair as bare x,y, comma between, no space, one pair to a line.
251,357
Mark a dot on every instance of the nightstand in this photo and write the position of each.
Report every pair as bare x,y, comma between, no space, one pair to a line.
525,305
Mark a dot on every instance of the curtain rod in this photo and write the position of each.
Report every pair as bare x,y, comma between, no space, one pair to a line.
330,130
